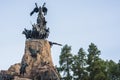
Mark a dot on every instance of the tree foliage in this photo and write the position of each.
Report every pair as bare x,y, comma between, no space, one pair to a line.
86,65
65,62
78,66
94,62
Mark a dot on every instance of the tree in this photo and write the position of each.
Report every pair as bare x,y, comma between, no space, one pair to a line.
118,70
65,62
113,70
78,66
89,66
95,64
93,53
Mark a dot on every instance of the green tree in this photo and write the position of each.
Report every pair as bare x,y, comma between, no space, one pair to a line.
84,66
113,70
65,62
78,66
95,64
118,70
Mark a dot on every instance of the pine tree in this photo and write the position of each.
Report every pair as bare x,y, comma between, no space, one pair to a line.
113,70
94,64
78,66
118,70
65,62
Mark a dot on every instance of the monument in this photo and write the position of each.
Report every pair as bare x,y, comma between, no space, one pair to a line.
36,63
39,30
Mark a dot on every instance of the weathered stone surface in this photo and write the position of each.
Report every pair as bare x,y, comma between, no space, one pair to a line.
43,56
18,78
14,69
40,67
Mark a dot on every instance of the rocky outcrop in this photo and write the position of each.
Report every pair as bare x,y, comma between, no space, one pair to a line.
36,63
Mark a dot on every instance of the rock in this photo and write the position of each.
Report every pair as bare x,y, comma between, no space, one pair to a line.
18,78
14,69
43,56
37,57
46,72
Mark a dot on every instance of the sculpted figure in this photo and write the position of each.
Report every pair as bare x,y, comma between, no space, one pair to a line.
39,11
34,33
39,30
36,9
44,9
27,33
23,68
33,52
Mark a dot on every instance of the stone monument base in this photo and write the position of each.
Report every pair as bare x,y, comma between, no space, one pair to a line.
37,57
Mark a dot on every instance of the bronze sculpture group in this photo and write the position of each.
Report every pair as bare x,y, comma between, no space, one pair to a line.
39,30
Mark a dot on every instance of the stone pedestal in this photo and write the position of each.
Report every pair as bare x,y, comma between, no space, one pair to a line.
43,55
37,56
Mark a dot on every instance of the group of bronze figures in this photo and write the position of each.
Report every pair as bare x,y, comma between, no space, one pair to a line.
39,30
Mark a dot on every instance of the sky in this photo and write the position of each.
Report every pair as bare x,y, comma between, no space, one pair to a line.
73,22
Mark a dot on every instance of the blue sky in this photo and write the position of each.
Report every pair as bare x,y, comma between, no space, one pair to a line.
73,22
